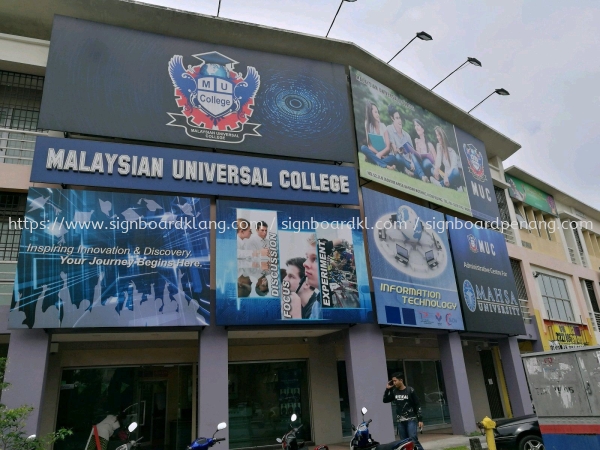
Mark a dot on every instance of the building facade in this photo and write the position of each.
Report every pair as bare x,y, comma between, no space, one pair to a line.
177,381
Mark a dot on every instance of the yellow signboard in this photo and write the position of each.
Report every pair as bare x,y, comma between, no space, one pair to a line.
567,336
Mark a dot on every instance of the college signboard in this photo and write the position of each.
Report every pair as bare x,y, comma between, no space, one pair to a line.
283,264
102,259
94,163
411,264
406,147
532,196
490,303
109,81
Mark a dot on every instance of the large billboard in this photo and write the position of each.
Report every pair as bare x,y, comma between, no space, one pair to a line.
490,303
406,147
284,264
530,195
104,80
411,264
103,259
95,163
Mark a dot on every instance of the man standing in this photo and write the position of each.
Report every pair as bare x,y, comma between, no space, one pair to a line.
407,408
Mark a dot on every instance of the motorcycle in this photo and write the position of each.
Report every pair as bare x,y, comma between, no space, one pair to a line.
289,441
203,443
362,439
130,444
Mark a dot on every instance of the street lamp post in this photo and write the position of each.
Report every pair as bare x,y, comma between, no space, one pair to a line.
469,60
421,35
497,91
336,14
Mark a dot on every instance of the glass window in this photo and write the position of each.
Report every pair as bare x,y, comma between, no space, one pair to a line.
556,298
157,398
262,398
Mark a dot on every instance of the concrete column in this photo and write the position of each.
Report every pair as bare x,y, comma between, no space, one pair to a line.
213,393
26,372
514,374
367,376
324,393
457,384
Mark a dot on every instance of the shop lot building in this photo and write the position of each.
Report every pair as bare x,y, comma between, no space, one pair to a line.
183,380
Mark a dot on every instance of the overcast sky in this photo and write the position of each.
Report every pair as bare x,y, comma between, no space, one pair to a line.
546,53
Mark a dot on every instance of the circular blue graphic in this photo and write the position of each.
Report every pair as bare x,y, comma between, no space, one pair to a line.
469,295
300,107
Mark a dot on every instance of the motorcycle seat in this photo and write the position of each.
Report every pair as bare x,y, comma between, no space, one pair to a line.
392,445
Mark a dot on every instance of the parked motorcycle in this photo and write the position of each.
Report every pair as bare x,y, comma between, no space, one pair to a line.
130,444
362,439
203,443
290,441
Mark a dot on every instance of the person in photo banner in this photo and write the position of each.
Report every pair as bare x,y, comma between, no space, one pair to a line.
301,291
312,309
378,142
244,232
446,172
259,240
407,408
425,150
406,161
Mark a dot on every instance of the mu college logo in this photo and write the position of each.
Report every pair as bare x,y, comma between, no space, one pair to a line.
475,161
216,102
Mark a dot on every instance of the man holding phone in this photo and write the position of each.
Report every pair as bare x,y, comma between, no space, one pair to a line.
407,408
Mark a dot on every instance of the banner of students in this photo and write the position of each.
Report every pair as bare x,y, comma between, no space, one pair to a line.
532,196
406,147
490,303
103,259
411,264
281,264
104,80
95,163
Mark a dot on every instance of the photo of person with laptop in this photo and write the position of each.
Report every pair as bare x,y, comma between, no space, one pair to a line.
407,160
378,147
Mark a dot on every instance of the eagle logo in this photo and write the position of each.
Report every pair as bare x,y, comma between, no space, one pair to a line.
212,95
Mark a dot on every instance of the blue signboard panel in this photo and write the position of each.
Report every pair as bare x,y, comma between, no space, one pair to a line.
411,264
284,264
490,302
104,80
102,259
95,163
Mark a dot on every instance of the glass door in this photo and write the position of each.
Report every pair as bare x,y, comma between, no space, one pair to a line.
423,377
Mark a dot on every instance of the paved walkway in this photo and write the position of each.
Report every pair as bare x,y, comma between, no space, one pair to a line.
431,440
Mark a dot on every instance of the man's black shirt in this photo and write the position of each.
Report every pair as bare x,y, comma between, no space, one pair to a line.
406,403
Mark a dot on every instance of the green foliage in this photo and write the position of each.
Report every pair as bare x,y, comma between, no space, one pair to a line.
462,447
12,424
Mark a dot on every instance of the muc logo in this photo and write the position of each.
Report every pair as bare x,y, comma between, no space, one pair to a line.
475,161
216,102
480,246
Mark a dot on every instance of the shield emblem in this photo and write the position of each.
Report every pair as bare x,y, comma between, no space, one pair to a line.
215,95
472,243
